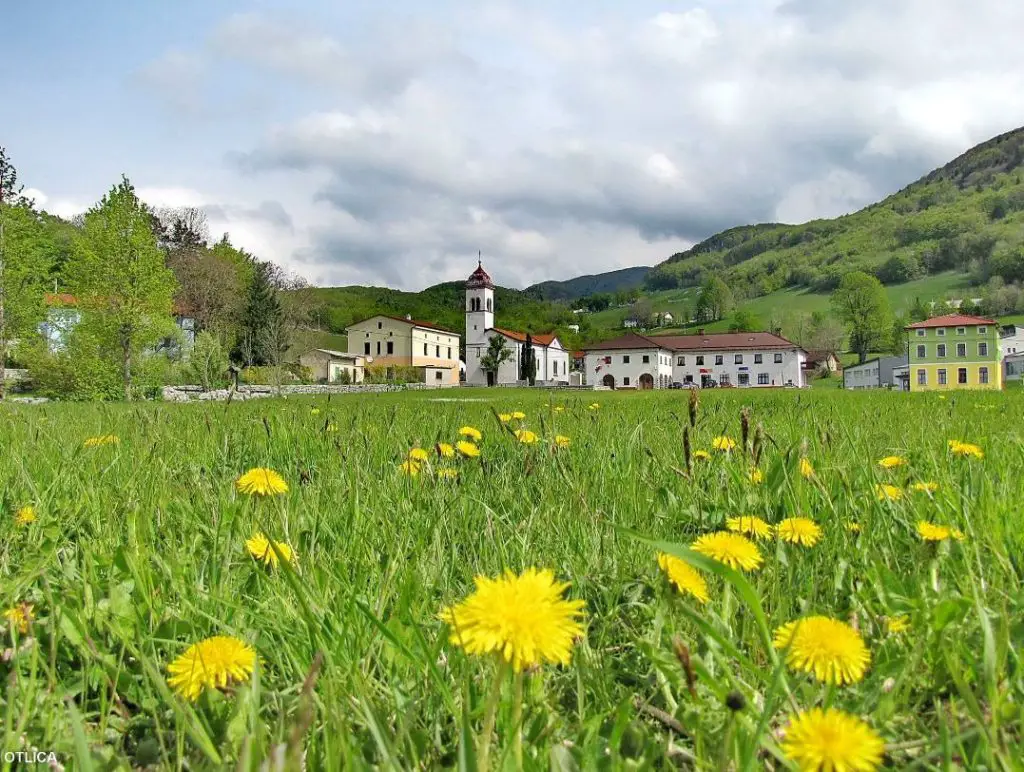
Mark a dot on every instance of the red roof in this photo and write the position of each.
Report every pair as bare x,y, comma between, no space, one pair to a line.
540,338
60,299
951,320
413,322
479,278
729,341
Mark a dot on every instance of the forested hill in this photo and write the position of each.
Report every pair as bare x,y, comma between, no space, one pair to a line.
592,284
967,216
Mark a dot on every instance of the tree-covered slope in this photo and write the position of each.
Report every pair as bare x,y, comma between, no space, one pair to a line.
967,216
592,284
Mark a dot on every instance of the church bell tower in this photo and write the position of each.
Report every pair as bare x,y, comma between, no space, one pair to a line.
479,305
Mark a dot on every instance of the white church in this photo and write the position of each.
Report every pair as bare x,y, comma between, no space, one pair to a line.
551,358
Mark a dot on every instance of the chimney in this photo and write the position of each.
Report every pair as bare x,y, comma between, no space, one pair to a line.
700,331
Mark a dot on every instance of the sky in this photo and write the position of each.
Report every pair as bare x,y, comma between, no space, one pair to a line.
364,142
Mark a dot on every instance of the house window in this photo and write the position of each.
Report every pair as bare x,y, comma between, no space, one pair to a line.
982,375
723,379
941,332
378,348
940,350
738,359
647,359
380,325
719,359
920,352
700,360
922,377
961,375
424,349
744,379
625,381
391,347
762,379
942,377
437,352
478,353
625,359
449,352
983,349
982,330
921,333
758,358
554,367
778,359
961,349
961,330
681,361
488,304
366,348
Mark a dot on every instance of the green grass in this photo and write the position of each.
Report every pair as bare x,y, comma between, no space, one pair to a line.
138,552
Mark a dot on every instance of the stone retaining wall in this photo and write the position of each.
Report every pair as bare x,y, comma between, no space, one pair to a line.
190,393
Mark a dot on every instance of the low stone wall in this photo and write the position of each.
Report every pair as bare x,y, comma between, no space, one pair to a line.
191,393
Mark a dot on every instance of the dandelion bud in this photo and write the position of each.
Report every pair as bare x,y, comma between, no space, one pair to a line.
735,701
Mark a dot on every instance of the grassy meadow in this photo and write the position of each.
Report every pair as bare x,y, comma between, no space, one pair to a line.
136,550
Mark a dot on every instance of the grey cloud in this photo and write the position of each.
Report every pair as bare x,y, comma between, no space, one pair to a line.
269,212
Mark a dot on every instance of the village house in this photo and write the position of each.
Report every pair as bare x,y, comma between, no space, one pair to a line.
331,366
877,373
745,359
955,351
393,342
551,358
1013,366
821,362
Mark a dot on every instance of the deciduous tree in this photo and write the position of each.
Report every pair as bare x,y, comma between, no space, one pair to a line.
496,355
860,301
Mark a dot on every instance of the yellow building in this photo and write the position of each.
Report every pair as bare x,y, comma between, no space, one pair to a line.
390,341
955,351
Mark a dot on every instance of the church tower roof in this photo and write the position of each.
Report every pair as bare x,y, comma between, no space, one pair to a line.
479,278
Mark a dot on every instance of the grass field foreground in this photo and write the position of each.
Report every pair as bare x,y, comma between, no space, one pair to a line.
127,540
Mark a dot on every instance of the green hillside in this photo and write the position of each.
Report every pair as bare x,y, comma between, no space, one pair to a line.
966,216
592,284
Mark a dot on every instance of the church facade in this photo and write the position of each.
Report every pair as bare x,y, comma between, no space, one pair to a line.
550,357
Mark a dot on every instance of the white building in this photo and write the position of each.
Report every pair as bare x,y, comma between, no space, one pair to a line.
729,359
1013,366
551,358
878,373
1011,339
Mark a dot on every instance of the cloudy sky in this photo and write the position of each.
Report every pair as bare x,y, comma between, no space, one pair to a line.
385,143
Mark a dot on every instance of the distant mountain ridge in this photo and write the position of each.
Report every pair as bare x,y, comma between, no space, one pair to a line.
591,284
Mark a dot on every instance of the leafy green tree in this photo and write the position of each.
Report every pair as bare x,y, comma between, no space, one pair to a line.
715,300
25,262
497,354
208,361
860,301
745,321
118,273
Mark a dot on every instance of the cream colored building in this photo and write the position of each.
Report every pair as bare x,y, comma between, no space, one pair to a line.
392,341
334,366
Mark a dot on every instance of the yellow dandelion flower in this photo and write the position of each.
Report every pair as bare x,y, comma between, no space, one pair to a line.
756,476
467,449
806,468
444,450
504,417
891,462
331,429
730,548
419,455
19,617
25,516
965,449
594,406
559,408
832,741
259,547
523,619
684,576
701,455
105,439
518,415
525,436
888,492
561,441
409,468
749,526
898,624
799,530
314,411
447,474
261,482
723,443
932,532
211,664
853,527
924,487
471,433
829,649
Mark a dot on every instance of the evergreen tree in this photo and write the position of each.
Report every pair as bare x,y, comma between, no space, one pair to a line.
123,286
262,319
528,362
